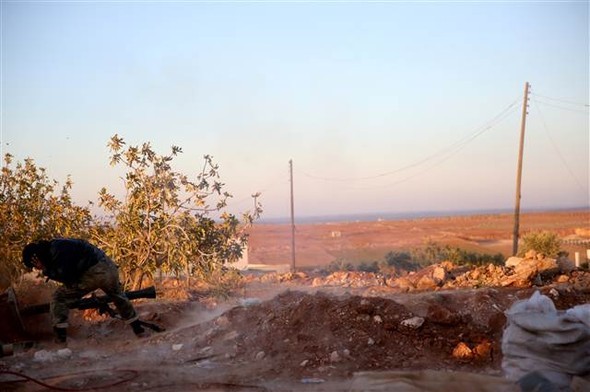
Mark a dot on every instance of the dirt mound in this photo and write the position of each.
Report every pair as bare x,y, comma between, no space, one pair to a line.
326,335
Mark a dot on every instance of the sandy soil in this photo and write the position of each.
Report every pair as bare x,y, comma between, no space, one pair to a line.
290,335
319,244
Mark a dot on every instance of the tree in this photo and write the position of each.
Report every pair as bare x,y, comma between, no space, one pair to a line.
165,220
32,207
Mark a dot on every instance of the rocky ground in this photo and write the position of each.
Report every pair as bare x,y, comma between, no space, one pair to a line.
289,332
439,328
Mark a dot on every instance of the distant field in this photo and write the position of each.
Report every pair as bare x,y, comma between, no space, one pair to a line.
320,244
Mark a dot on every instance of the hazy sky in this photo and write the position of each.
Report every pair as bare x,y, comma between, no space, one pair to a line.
383,106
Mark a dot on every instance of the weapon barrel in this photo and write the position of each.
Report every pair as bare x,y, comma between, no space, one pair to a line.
92,302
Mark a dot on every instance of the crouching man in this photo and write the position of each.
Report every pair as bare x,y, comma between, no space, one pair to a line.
82,268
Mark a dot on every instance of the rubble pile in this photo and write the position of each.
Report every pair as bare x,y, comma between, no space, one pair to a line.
535,269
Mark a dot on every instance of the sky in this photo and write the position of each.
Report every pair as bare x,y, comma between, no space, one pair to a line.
383,107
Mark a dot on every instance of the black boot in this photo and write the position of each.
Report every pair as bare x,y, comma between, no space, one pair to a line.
137,328
61,334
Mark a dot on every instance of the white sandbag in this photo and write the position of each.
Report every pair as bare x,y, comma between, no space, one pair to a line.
556,344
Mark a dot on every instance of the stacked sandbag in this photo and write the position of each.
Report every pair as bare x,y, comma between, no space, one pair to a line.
551,345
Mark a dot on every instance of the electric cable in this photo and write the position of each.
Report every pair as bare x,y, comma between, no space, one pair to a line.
561,100
558,152
134,374
453,148
584,111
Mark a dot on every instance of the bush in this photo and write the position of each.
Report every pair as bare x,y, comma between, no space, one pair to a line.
340,265
368,267
541,242
400,261
430,253
33,207
433,253
464,257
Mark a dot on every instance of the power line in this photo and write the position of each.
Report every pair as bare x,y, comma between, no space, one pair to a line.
561,100
559,154
584,111
450,150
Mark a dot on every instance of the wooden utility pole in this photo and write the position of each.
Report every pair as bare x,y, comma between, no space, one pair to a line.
292,219
515,233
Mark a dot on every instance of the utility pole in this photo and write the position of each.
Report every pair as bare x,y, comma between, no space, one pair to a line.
515,233
292,219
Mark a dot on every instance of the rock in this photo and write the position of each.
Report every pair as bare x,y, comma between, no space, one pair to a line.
462,351
414,322
377,319
260,355
49,356
527,271
513,261
43,356
222,321
483,350
404,284
426,283
547,264
335,357
230,336
439,275
562,279
64,353
441,315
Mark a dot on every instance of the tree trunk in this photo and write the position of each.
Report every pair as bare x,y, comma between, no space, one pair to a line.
137,279
188,276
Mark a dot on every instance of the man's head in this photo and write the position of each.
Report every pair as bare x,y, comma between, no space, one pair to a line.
31,256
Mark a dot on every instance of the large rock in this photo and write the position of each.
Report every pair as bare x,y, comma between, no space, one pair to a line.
426,283
513,261
531,270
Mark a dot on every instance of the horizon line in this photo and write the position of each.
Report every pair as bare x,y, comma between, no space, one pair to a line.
370,216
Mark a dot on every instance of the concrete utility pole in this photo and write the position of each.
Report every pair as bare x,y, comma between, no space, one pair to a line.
515,233
292,219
